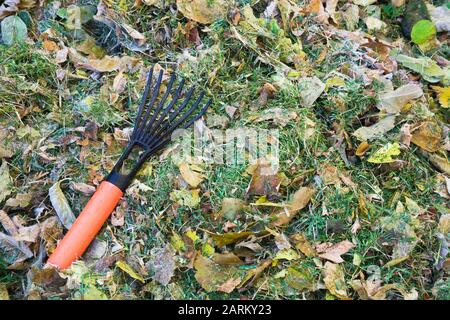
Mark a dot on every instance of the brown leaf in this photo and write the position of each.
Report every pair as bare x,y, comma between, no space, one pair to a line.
299,201
118,215
334,252
162,265
440,163
427,136
83,188
229,285
5,181
394,101
226,259
329,174
405,135
264,181
302,244
51,232
267,91
8,224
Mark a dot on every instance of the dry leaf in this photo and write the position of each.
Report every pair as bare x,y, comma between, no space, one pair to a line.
22,200
427,136
299,200
231,207
302,244
229,238
334,280
362,148
329,174
333,252
129,270
264,182
8,224
394,101
193,178
5,181
381,127
214,277
440,163
161,265
84,188
203,11
61,205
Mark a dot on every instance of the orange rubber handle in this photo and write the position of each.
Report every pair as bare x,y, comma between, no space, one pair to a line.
86,226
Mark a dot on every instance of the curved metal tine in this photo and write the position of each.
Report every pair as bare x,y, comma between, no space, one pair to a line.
149,106
179,120
151,123
158,128
167,109
148,84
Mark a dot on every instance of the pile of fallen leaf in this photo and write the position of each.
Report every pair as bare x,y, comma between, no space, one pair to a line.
358,207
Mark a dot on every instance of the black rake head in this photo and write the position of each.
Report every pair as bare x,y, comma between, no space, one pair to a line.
158,116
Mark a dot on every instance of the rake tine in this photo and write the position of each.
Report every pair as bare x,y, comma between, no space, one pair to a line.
148,84
168,108
151,123
150,105
175,113
180,120
173,116
160,143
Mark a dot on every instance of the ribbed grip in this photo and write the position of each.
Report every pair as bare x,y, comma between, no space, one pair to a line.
86,226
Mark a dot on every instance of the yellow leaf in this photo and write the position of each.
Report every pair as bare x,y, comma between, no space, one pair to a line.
395,262
229,238
129,270
3,292
443,95
362,148
385,154
192,177
334,82
177,242
334,280
189,198
207,250
192,235
286,254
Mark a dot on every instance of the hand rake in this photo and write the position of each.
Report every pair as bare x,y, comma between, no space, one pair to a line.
153,127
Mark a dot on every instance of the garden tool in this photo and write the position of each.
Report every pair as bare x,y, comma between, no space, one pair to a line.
155,122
